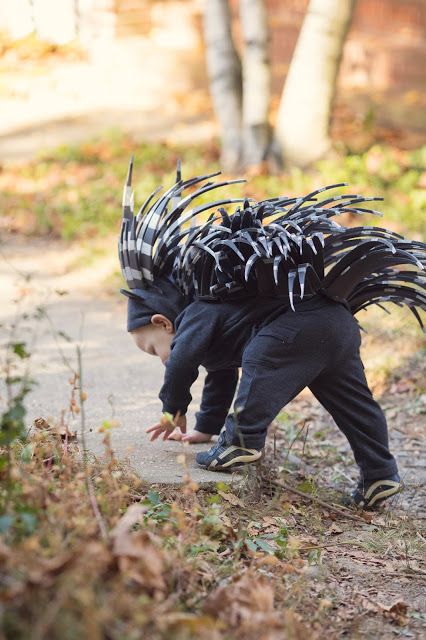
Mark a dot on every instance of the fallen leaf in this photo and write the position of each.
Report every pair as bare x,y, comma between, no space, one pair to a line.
268,560
200,626
226,521
137,552
282,522
333,530
61,430
397,611
400,387
241,599
246,606
230,497
271,529
42,424
46,568
365,558
367,516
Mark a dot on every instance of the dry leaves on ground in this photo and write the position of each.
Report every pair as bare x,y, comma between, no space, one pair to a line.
246,605
137,551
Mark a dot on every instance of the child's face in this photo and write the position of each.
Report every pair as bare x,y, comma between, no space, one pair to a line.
155,338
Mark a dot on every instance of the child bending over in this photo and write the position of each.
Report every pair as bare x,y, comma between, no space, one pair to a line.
271,289
281,352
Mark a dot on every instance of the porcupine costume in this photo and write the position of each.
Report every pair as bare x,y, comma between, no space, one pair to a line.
291,251
275,247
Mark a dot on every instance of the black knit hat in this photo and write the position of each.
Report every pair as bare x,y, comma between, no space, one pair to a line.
163,297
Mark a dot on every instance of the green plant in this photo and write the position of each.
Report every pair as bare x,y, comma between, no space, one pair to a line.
75,191
15,512
157,510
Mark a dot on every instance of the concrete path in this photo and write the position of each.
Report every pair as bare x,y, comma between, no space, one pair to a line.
119,380
132,84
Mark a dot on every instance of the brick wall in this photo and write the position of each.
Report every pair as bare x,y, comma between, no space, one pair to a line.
384,54
385,49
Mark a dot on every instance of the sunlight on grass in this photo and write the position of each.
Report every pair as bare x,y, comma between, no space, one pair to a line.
75,191
390,341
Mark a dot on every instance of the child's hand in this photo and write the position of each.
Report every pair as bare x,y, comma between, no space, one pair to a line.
167,426
196,437
193,437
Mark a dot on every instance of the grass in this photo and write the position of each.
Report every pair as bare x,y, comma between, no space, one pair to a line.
74,192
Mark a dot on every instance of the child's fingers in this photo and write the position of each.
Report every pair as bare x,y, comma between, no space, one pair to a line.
175,435
181,425
196,437
154,428
155,435
188,437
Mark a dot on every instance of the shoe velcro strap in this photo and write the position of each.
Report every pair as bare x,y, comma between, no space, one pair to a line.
233,448
391,484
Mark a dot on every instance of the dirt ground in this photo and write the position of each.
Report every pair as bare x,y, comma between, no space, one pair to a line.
370,575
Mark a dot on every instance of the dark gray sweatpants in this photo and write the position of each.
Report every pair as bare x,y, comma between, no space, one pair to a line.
317,347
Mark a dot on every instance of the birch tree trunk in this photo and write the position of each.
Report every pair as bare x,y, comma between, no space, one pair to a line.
302,129
224,71
256,82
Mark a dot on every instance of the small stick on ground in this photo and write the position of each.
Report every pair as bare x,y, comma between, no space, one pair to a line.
296,437
307,496
397,574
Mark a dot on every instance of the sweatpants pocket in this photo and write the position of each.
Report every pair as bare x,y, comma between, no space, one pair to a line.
271,346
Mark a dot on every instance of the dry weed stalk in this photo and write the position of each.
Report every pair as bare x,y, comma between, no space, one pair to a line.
89,483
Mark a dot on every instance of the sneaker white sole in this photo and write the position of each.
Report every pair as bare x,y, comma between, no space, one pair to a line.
215,465
387,493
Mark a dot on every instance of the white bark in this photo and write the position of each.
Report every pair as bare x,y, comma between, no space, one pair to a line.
256,81
224,70
302,129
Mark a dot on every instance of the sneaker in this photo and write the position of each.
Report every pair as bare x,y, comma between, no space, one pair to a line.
368,494
223,457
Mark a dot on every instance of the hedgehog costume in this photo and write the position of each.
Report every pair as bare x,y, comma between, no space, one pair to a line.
273,289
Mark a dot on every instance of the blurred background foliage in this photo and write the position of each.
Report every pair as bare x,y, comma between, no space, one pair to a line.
85,83
73,192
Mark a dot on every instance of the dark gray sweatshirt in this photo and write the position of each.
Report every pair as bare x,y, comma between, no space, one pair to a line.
212,335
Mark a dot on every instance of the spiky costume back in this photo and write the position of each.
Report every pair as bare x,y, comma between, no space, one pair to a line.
287,247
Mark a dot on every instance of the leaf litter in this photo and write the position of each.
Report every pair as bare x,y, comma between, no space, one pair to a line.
252,561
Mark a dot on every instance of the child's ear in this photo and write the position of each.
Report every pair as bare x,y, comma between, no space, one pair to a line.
158,320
